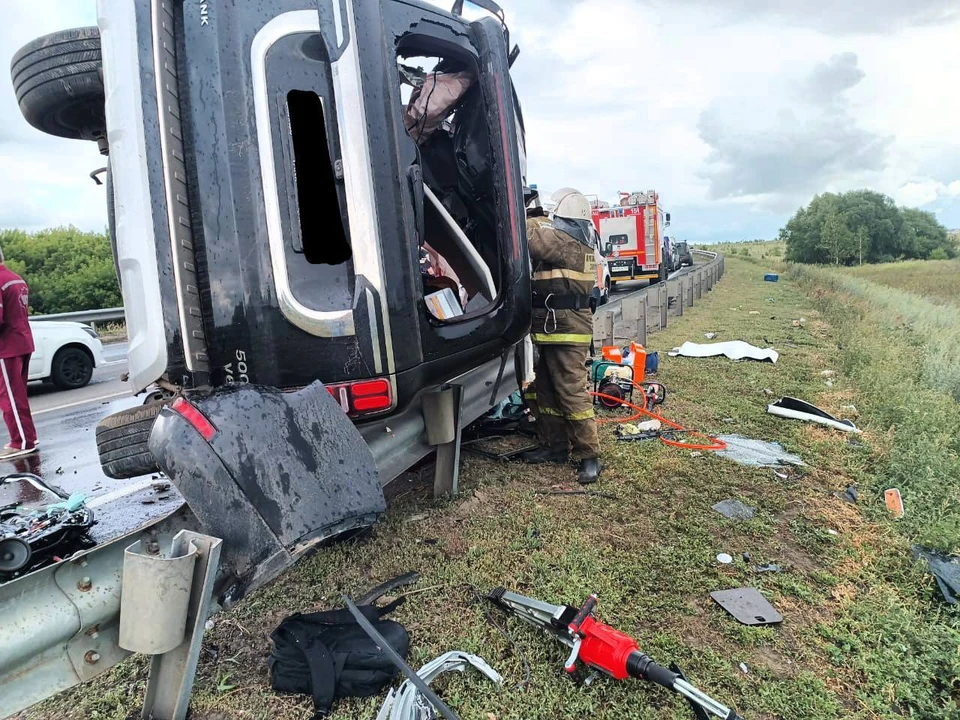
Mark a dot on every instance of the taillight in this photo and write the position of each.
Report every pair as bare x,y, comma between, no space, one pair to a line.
362,397
197,419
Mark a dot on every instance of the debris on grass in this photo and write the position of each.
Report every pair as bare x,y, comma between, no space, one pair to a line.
894,502
849,495
734,510
756,453
945,570
748,606
794,409
725,559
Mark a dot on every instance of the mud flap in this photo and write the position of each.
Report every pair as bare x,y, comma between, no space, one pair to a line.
282,473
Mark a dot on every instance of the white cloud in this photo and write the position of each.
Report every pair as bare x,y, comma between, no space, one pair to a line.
794,97
44,181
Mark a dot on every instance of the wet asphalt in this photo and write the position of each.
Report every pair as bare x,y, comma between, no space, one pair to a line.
66,424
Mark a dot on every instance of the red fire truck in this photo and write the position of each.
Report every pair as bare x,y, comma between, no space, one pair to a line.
631,235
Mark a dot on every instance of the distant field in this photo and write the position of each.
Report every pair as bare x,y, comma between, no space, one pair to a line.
771,250
936,280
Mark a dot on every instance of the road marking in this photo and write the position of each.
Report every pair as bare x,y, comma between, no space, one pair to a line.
88,401
121,492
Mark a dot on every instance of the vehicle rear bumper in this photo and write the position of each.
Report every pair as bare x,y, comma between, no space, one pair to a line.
399,441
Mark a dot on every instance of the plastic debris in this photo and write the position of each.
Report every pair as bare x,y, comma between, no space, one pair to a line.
945,570
734,510
768,568
795,409
744,669
894,502
771,277
756,453
849,495
725,559
748,606
710,336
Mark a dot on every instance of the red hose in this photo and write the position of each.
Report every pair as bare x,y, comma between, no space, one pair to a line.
716,444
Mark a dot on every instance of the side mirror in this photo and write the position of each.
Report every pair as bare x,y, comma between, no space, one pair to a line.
608,249
668,217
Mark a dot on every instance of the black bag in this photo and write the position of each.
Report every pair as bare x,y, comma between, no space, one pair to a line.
328,655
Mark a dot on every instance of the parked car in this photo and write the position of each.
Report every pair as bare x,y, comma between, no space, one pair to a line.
66,353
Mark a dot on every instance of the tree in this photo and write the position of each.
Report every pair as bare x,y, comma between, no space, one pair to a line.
861,226
67,269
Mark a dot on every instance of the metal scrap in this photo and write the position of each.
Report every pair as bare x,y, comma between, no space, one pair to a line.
407,703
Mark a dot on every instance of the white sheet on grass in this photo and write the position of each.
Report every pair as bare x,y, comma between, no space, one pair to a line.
734,349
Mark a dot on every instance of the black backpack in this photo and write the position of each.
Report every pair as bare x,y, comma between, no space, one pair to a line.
328,655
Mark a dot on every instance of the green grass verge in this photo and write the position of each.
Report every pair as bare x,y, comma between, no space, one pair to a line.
865,633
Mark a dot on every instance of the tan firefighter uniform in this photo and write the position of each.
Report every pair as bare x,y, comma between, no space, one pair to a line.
564,273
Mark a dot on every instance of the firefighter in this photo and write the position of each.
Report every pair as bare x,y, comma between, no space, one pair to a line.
564,273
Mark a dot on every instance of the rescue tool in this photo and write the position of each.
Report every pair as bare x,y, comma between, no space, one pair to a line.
604,649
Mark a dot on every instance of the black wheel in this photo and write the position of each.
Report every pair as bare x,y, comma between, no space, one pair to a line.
122,442
58,81
72,368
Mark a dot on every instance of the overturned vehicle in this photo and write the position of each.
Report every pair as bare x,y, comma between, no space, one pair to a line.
317,216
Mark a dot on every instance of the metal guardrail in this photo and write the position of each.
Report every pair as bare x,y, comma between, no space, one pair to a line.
647,311
89,317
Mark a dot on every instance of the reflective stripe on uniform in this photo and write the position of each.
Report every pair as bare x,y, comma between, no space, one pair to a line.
561,338
582,415
564,274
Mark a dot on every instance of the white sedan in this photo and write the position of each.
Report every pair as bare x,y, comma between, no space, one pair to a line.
66,353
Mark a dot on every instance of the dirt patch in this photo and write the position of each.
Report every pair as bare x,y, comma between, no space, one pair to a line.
774,661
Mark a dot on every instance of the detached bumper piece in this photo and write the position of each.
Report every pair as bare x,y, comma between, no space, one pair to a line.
274,474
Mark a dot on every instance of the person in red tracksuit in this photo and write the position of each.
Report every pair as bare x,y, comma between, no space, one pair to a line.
16,347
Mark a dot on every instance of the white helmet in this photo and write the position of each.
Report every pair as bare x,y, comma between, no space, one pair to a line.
571,205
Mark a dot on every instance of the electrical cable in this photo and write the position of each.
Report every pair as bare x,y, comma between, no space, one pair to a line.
715,443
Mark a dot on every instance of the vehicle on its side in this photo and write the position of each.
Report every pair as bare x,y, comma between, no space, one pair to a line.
683,255
317,213
66,353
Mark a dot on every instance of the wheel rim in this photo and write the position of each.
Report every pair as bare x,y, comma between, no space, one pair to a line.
75,369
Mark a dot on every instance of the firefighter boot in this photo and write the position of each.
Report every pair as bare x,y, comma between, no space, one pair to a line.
543,455
589,471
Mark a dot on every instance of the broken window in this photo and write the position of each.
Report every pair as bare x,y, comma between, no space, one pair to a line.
322,238
444,113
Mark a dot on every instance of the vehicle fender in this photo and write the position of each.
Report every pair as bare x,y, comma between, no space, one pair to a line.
282,473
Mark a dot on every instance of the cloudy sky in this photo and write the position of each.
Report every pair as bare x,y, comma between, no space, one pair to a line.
736,111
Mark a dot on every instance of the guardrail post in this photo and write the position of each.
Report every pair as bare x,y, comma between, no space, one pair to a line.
629,314
642,320
662,300
699,284
690,292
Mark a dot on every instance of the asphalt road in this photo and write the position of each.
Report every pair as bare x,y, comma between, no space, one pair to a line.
66,423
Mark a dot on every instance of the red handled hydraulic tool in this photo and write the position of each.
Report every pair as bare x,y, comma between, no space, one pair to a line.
604,649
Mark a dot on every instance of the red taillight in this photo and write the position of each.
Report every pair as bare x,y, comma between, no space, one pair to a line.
364,396
196,418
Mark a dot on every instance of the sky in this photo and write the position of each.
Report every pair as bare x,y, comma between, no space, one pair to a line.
736,111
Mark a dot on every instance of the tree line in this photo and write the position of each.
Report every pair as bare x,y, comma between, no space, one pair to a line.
67,269
863,226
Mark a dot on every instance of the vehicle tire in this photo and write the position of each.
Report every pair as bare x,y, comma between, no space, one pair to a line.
122,442
58,81
72,368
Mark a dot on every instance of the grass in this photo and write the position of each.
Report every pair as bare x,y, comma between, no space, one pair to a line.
769,250
935,280
865,633
112,332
